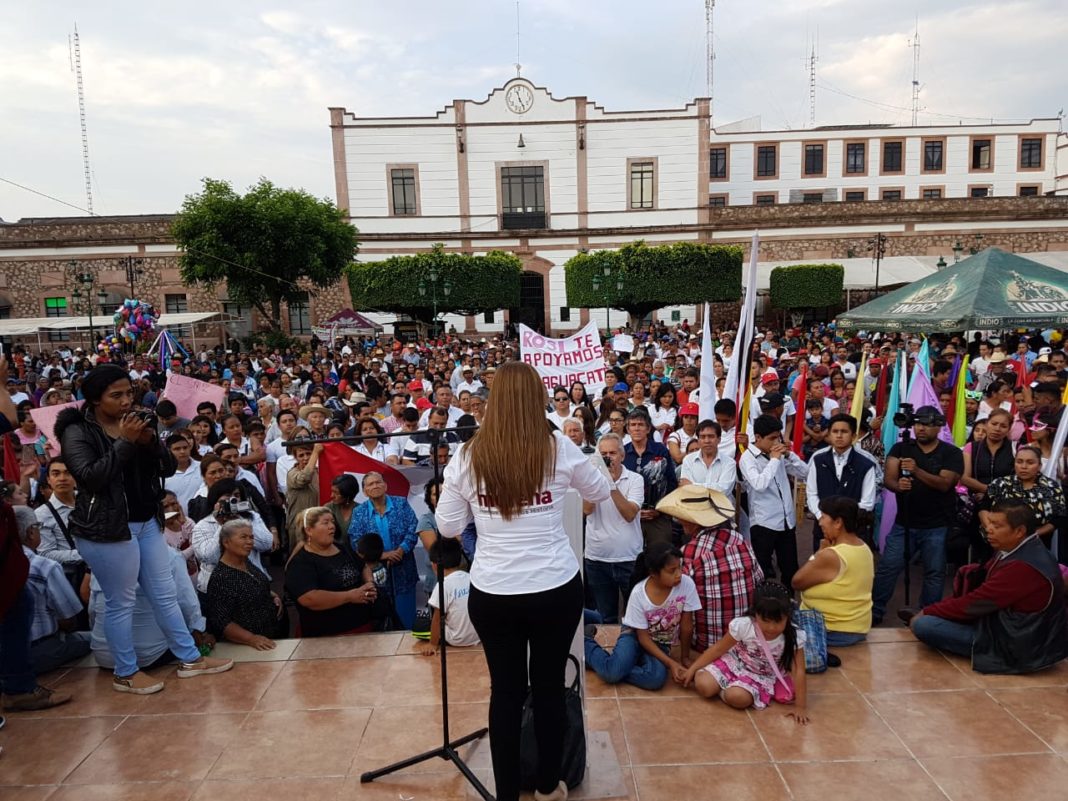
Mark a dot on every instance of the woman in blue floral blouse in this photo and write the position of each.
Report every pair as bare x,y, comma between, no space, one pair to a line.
394,520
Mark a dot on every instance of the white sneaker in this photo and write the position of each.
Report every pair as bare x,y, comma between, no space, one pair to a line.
204,666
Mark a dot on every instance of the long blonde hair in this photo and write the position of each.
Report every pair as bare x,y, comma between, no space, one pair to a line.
514,452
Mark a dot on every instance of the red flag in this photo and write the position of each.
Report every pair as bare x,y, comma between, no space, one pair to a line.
338,458
801,382
882,388
12,468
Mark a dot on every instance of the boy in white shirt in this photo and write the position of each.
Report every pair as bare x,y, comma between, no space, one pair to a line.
459,630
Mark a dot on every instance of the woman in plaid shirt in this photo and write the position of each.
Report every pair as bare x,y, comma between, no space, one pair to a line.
716,557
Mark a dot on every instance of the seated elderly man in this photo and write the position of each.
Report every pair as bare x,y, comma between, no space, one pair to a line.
1009,615
716,557
53,640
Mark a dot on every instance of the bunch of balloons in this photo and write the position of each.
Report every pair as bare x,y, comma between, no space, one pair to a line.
110,344
133,319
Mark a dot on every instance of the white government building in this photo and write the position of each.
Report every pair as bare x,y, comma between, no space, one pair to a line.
545,177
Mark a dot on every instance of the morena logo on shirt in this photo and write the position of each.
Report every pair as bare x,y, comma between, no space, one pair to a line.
539,499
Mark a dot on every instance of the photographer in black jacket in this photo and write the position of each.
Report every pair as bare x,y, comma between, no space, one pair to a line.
119,465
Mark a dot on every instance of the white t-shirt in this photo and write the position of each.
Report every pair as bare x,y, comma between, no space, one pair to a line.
184,484
458,627
610,538
531,552
661,416
742,629
661,620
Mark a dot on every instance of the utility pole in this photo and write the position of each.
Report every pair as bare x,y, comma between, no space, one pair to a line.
915,45
812,59
877,247
76,68
133,271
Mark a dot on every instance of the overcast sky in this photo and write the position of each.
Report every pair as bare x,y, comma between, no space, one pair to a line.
235,90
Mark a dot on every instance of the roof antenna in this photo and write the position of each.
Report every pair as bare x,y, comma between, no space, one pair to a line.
914,43
518,65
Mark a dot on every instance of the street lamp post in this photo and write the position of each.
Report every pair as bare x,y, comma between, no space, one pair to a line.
446,290
133,271
607,282
958,248
877,246
82,295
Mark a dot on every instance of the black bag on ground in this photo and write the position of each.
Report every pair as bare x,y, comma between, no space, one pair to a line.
573,762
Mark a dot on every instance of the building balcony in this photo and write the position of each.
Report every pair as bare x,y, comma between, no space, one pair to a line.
522,220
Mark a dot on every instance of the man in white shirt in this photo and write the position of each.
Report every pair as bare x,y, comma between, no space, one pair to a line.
561,408
186,479
469,382
765,468
855,471
613,532
279,461
442,399
708,466
841,361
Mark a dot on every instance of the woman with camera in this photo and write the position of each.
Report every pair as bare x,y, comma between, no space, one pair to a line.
526,587
227,500
119,465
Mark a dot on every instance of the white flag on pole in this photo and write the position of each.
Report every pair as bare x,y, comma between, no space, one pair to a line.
708,377
744,333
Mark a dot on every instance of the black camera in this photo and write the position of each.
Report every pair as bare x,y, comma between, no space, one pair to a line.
149,418
905,417
607,462
231,508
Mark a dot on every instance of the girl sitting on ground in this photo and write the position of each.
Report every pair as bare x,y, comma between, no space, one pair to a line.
659,616
738,668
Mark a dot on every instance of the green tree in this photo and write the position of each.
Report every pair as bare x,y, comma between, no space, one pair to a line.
806,286
267,245
476,283
657,276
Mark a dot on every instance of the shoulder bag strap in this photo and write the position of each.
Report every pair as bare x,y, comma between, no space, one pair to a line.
61,524
767,653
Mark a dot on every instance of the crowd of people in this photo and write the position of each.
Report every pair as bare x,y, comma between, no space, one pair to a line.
144,537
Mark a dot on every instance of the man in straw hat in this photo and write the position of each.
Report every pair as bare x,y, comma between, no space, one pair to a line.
716,557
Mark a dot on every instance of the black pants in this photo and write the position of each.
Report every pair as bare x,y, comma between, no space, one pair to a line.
507,624
768,542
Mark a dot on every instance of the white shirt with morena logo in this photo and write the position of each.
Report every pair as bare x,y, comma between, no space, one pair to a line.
531,552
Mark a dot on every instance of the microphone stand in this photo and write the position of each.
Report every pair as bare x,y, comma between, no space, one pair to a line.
449,748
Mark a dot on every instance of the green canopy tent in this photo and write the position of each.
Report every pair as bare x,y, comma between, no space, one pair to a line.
992,289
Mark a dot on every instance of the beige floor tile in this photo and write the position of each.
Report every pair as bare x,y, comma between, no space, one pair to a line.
885,780
841,727
138,791
293,789
45,751
602,714
734,782
952,724
901,667
669,731
237,690
414,679
40,792
355,645
326,683
395,733
1043,710
884,635
444,784
320,743
149,748
1028,778
283,650
93,695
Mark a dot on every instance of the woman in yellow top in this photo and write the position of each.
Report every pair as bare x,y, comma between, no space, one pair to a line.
837,579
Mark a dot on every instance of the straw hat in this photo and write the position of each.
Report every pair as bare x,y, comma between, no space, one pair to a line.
313,407
696,504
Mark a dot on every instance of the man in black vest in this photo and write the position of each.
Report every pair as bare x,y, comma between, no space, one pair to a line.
840,469
1011,616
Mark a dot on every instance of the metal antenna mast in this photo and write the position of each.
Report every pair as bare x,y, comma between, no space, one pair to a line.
518,65
76,66
710,54
915,45
812,59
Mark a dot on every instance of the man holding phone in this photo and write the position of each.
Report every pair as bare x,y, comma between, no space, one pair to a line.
613,531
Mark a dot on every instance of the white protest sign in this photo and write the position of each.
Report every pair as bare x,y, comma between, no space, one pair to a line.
186,393
561,362
623,343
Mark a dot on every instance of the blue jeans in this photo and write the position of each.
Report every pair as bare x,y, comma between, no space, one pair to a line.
843,639
931,543
16,671
120,567
628,662
607,581
945,635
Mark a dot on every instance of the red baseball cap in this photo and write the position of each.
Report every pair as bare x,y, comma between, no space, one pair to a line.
690,409
423,404
767,378
415,386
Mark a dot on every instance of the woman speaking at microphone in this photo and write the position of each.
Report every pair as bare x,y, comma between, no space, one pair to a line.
526,590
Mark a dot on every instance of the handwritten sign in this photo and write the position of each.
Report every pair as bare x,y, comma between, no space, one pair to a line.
561,362
45,418
623,343
187,393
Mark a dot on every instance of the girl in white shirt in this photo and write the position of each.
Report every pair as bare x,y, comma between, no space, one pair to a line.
526,589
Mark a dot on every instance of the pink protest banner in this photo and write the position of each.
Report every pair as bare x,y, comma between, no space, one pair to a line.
45,418
186,393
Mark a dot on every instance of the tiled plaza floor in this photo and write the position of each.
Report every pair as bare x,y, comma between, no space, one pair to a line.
897,721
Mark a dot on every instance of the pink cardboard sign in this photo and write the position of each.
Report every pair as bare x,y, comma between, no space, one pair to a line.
186,393
45,418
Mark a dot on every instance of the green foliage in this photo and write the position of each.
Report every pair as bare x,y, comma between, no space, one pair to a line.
661,275
271,340
806,286
477,283
268,245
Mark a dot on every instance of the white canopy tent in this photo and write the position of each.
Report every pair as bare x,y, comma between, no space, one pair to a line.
35,326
